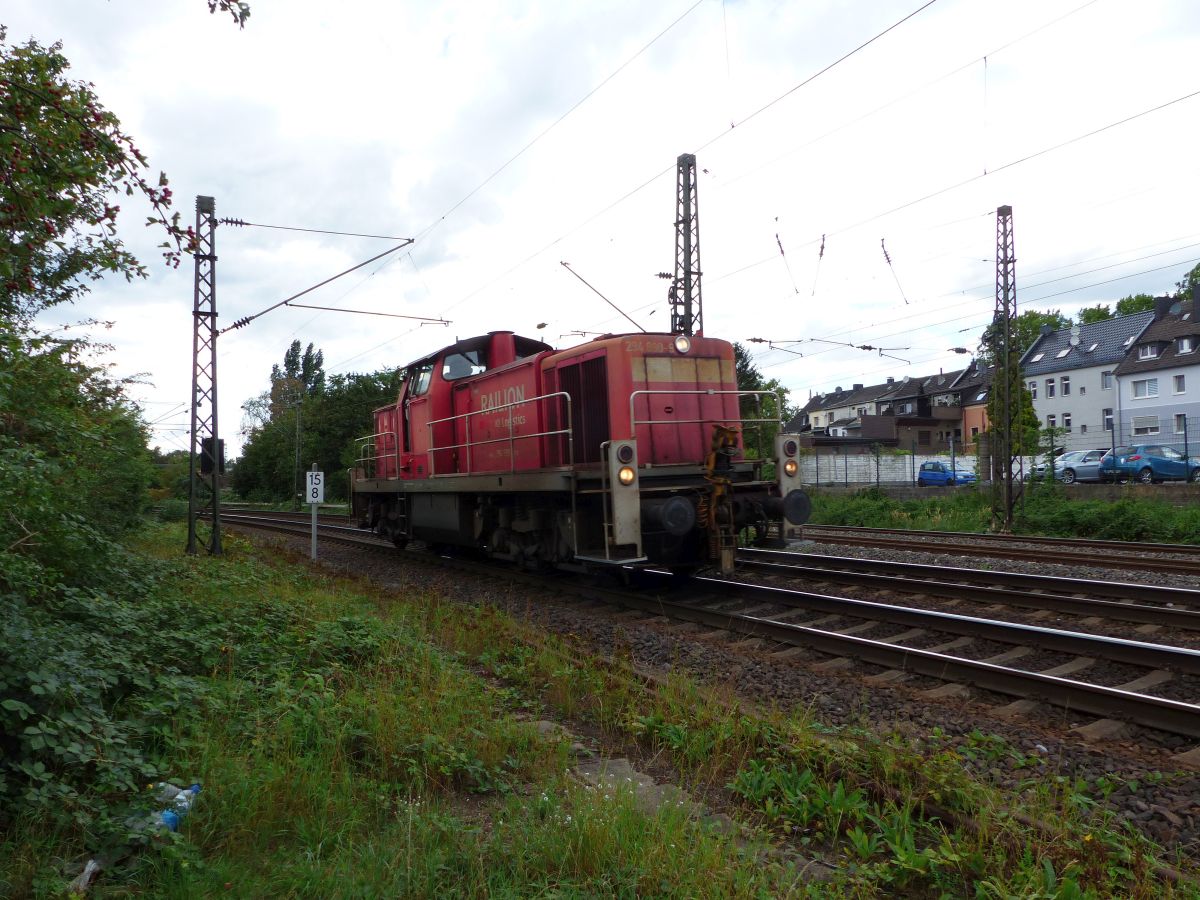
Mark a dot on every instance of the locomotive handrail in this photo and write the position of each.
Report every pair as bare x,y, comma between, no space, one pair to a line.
634,421
511,438
369,441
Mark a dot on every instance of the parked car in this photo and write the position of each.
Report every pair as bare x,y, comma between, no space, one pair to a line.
941,473
1037,471
1149,463
1079,465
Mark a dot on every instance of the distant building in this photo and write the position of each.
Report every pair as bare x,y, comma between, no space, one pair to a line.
1071,374
1158,383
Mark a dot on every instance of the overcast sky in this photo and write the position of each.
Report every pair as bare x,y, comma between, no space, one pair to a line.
391,118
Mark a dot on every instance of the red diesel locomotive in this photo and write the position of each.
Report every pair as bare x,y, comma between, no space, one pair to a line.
628,450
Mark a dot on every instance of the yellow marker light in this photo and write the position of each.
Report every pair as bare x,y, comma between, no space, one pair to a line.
626,475
790,468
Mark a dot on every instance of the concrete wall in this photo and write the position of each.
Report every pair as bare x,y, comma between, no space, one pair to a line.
1175,493
860,468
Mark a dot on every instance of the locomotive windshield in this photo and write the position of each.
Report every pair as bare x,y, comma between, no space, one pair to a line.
464,364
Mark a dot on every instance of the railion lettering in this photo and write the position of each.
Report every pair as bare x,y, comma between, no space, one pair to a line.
502,397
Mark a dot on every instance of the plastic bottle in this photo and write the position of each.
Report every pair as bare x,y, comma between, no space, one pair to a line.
181,800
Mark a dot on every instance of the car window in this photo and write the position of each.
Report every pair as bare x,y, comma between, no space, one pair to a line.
1123,451
1169,453
1151,450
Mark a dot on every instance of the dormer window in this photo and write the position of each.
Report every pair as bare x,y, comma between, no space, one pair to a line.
1037,357
1186,344
1148,351
1062,353
1129,340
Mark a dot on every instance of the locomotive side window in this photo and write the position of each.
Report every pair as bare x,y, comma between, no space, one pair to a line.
418,379
463,364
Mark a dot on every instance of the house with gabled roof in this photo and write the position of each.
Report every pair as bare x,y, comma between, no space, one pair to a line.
1071,375
974,385
1158,382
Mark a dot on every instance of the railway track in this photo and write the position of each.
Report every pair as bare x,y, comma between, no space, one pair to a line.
1170,558
1140,604
790,621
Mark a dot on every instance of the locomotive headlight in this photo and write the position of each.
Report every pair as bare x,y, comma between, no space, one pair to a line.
625,453
683,343
626,475
790,468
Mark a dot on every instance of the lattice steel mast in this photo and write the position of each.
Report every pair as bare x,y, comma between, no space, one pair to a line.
206,445
1005,446
687,309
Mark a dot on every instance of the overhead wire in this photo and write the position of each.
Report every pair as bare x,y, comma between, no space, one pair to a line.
706,144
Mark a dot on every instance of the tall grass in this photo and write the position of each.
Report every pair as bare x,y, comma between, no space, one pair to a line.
353,743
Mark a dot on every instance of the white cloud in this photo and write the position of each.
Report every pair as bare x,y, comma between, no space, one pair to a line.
382,117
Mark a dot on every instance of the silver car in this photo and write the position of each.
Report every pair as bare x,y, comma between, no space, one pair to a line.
1078,465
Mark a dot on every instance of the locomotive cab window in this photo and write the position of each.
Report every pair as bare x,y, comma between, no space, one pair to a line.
463,364
418,379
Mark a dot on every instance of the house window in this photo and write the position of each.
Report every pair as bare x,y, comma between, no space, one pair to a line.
1180,423
1145,387
1083,428
1033,389
1051,421
1187,344
1145,424
1082,389
1108,420
1105,381
1037,357
982,395
1067,421
1178,384
906,408
1148,351
1049,388
1062,353
1092,348
1065,384
974,431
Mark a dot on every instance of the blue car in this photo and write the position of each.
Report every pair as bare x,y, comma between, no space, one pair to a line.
940,473
1149,463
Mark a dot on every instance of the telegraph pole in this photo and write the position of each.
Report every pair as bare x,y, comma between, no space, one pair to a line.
206,443
687,310
1005,450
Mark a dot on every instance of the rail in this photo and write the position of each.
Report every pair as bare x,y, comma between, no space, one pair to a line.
511,438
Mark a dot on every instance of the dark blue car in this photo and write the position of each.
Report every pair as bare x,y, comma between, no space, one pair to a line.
1149,463
939,473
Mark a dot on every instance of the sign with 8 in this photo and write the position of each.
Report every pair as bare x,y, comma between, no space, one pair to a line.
316,487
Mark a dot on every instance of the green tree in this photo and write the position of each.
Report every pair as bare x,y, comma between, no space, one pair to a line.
1092,314
1135,303
759,440
332,419
64,162
1188,286
1026,329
